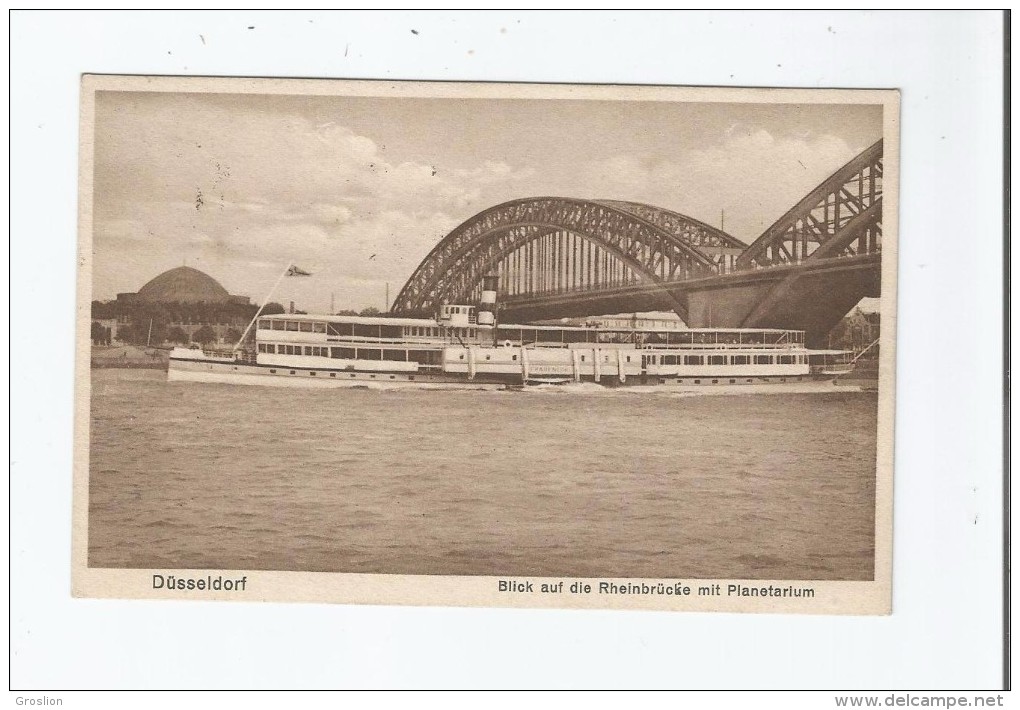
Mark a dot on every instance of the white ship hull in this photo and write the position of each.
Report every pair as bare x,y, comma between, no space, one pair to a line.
237,373
297,350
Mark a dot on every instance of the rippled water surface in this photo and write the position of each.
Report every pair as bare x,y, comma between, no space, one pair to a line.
555,481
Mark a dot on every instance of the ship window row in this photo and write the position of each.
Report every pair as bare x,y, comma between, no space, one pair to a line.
589,335
533,335
281,349
725,359
416,331
294,326
356,330
462,332
424,357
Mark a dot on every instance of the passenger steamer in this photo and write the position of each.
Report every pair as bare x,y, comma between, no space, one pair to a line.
464,347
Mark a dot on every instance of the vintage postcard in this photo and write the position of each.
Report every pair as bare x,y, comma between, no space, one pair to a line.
486,344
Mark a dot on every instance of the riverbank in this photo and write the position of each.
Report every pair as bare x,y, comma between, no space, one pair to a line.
864,375
129,356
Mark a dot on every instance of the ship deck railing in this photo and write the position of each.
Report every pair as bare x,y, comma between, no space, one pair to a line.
404,341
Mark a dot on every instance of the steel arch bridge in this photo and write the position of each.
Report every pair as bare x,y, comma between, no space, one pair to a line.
558,256
840,217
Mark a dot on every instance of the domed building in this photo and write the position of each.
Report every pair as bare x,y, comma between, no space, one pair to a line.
180,305
183,285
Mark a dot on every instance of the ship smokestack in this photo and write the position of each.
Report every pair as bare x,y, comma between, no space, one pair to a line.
487,306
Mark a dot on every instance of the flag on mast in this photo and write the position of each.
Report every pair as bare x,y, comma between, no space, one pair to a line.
296,271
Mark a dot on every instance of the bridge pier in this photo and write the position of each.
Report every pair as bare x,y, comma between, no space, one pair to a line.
812,297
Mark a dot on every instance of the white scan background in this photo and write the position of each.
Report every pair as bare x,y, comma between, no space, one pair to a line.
946,626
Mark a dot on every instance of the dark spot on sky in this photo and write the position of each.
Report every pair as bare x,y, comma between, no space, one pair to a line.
251,27
414,32
202,38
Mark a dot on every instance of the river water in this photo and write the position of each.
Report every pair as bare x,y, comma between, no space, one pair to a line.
555,481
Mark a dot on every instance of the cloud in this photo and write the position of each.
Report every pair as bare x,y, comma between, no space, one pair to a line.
240,193
750,174
264,189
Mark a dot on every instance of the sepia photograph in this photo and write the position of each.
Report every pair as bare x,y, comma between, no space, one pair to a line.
486,344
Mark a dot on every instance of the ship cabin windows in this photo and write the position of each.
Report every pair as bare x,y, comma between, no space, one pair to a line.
267,348
458,315
292,325
425,358
456,334
364,330
718,359
420,331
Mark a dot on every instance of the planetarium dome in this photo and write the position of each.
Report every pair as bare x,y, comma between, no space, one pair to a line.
183,285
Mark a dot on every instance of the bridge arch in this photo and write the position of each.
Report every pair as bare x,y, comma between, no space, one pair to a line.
556,244
846,208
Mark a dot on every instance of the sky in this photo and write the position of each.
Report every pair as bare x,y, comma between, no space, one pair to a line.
358,190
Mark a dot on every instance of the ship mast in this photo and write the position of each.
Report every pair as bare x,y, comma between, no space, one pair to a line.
264,302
